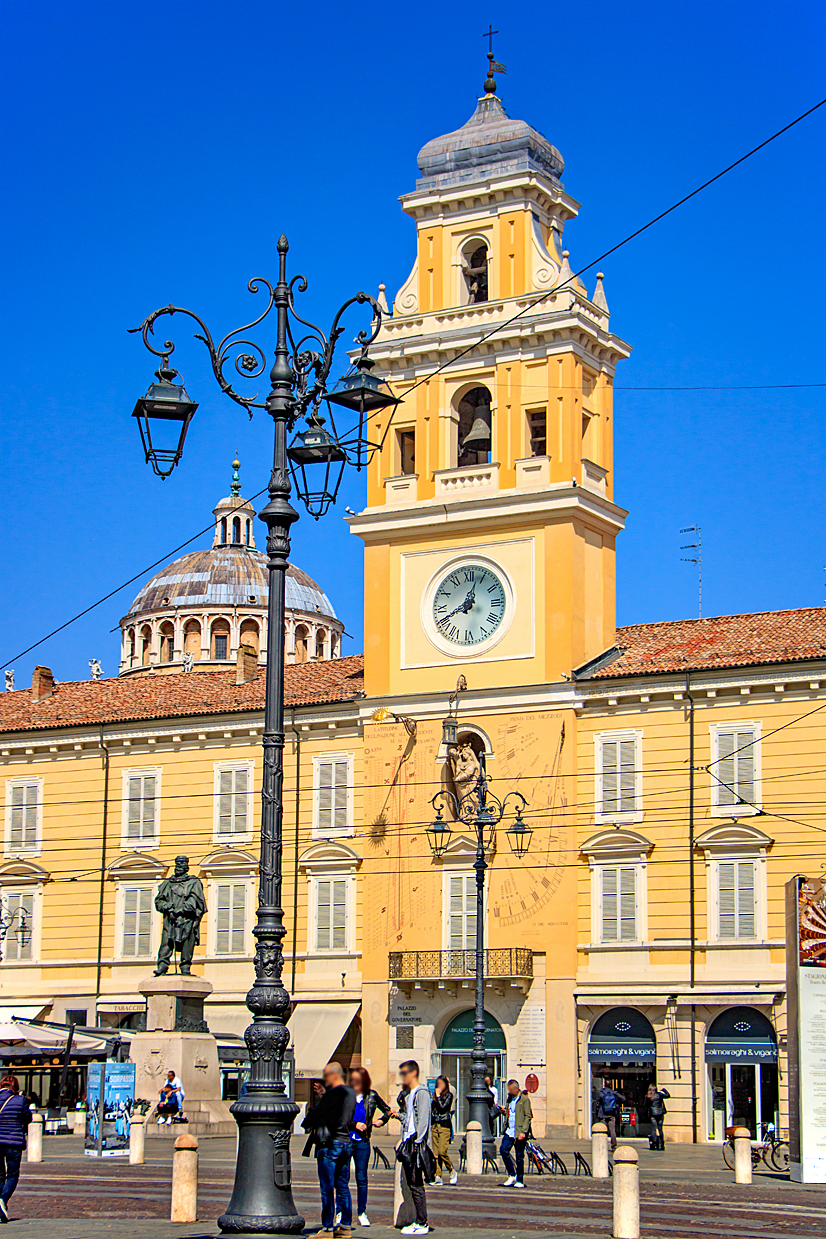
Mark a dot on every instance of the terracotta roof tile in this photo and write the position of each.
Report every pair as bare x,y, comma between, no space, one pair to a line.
177,695
721,641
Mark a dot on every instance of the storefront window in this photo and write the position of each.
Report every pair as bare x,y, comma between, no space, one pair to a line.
741,1062
622,1054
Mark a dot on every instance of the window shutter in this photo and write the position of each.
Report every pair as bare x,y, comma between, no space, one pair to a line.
130,920
225,802
456,913
323,915
727,787
133,808
148,807
20,908
18,797
628,776
341,773
222,920
241,807
744,756
339,914
628,904
610,776
727,920
239,917
610,909
143,931
746,927
325,797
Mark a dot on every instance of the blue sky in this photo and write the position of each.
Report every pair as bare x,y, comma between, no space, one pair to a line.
154,152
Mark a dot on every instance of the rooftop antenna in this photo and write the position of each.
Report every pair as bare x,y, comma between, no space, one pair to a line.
695,559
493,65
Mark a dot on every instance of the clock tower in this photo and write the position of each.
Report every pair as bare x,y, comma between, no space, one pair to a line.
490,527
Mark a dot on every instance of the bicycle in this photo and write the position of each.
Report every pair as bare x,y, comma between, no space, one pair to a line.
771,1150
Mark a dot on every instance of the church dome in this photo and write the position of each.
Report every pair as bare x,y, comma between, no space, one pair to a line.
489,144
201,609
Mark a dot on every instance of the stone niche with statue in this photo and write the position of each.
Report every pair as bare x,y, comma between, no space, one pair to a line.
177,1037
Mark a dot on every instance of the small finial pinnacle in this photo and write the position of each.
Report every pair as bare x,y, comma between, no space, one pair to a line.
236,481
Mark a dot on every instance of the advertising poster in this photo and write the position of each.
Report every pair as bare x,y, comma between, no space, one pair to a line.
116,1082
806,987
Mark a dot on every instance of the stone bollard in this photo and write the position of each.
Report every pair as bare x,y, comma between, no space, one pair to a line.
137,1139
599,1151
185,1180
742,1155
35,1139
626,1193
475,1164
404,1211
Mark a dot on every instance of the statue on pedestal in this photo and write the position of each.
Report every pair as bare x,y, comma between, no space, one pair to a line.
180,900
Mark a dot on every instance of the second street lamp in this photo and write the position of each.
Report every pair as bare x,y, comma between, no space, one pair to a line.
481,810
262,1202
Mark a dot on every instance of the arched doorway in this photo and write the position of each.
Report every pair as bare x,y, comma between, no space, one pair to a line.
741,1061
455,1048
622,1053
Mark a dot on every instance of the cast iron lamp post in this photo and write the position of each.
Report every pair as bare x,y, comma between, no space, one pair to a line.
482,811
262,1202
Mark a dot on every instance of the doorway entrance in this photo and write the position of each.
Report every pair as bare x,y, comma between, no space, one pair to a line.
454,1059
741,1060
622,1055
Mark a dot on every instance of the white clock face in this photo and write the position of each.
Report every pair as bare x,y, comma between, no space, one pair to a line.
469,605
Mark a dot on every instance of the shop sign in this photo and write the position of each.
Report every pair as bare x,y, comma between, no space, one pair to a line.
722,1051
405,1013
629,1049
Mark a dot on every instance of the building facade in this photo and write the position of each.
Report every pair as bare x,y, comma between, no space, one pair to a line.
673,771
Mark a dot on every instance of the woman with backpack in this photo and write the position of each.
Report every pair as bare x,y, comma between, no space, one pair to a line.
441,1131
15,1116
657,1111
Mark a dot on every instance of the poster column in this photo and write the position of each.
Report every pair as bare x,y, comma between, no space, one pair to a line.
806,1004
110,1103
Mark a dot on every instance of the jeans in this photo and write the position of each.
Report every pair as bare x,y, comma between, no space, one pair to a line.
657,1139
361,1159
610,1121
414,1181
10,1155
518,1170
334,1181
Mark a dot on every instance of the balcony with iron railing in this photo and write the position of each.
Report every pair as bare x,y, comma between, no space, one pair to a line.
501,964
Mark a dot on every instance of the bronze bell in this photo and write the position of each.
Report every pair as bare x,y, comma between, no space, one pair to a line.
478,437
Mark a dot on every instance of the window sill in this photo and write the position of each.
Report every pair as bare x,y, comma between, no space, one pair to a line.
620,819
21,853
683,944
735,811
138,846
230,840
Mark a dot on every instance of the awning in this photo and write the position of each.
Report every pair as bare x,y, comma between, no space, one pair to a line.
741,1035
622,1035
23,1010
316,1029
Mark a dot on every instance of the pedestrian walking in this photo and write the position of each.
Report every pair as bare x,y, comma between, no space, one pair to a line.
607,1105
657,1112
441,1109
413,1150
368,1105
518,1114
330,1124
15,1116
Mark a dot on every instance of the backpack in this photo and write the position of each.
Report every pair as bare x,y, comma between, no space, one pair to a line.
610,1102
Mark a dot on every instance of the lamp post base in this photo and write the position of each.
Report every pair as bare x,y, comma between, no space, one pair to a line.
262,1202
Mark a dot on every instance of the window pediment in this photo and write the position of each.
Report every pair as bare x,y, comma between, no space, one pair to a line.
22,871
133,866
611,845
734,837
462,850
228,860
329,855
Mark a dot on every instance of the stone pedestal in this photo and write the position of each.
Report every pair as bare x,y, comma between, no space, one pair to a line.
177,1039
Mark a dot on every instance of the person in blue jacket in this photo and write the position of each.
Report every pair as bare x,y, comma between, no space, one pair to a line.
15,1117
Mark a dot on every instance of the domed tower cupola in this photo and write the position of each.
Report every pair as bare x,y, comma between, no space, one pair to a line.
234,516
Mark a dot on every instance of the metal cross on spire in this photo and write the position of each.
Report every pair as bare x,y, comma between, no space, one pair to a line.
493,65
488,34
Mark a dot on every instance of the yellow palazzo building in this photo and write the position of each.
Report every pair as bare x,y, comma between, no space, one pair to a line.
674,772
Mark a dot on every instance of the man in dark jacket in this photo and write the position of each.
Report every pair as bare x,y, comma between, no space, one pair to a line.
331,1123
607,1104
15,1117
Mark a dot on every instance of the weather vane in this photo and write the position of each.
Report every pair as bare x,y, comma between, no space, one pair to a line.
494,66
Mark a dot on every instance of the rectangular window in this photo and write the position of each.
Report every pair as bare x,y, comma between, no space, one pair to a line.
18,909
138,902
331,914
734,774
619,904
461,912
538,432
333,779
407,451
736,902
234,801
23,815
619,775
79,1016
141,805
220,645
230,918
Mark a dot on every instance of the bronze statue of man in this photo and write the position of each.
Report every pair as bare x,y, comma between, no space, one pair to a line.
180,899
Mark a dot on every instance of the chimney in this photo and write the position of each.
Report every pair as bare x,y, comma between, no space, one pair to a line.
43,684
246,665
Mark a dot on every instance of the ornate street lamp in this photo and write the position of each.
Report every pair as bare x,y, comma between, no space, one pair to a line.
165,402
363,394
262,1202
482,811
